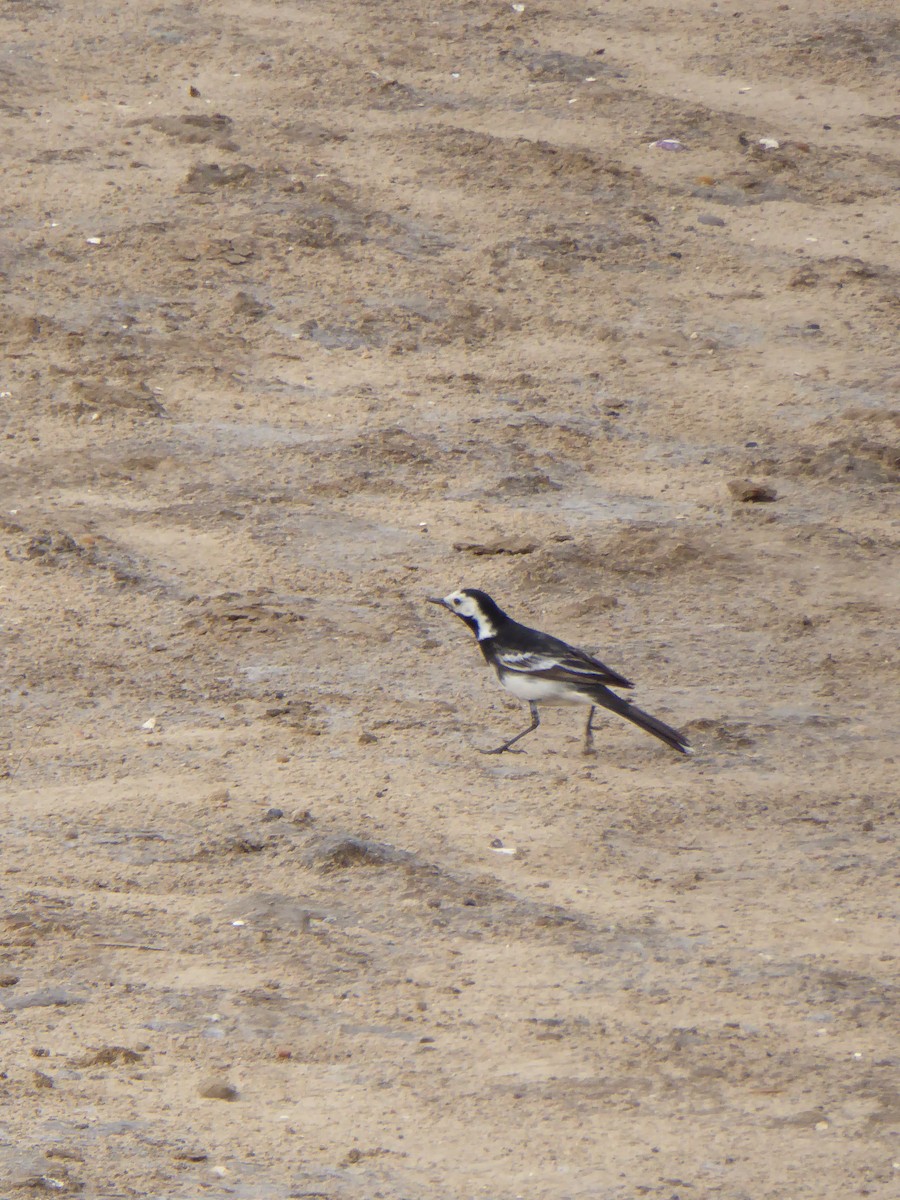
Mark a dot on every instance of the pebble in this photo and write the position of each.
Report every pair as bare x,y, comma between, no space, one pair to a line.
218,1089
110,1056
340,851
44,998
510,545
710,219
747,491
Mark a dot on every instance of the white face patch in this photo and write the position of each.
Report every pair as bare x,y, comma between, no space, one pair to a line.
468,607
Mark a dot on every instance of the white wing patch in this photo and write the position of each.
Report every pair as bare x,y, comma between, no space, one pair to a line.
522,660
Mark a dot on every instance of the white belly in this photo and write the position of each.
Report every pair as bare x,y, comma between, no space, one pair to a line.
541,691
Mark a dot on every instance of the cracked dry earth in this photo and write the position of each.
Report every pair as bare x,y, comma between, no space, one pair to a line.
310,311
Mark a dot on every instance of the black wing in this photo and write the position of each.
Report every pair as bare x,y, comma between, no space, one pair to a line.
562,663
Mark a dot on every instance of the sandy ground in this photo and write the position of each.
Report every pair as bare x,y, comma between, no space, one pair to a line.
313,310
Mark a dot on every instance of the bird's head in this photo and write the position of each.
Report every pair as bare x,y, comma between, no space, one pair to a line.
476,608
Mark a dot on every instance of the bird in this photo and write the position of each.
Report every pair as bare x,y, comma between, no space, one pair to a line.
541,669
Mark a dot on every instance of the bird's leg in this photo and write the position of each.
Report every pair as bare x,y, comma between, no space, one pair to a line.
589,733
535,721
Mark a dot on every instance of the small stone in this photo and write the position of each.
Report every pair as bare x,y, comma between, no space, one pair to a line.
340,852
109,1056
49,997
499,546
203,176
7,979
366,738
528,483
41,1080
749,492
245,304
710,219
218,1089
804,277
273,814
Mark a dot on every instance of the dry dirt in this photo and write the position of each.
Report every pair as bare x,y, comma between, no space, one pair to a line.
310,311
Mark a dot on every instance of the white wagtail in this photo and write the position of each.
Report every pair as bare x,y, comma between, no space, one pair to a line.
544,670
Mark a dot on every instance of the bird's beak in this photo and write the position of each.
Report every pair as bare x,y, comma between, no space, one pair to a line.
437,600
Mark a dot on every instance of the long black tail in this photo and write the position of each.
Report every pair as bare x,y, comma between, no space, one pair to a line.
643,720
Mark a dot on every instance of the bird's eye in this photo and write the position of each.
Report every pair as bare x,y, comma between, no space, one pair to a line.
457,601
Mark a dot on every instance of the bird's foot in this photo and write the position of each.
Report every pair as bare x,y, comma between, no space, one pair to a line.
588,750
504,750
